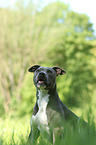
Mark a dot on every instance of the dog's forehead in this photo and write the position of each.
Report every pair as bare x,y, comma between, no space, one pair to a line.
46,68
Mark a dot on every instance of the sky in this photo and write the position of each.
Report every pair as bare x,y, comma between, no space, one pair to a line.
87,7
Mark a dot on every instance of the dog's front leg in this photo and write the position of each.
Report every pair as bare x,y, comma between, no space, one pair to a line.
33,137
57,135
34,134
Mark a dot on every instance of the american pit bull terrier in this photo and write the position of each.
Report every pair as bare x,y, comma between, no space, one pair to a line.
49,114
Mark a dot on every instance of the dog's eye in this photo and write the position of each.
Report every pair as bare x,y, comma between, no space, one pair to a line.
49,71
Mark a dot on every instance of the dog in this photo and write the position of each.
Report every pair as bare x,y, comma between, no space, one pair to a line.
49,114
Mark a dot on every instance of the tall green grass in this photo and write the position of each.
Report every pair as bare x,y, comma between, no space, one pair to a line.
16,131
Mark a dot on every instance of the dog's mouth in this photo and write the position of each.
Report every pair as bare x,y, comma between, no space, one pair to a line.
41,83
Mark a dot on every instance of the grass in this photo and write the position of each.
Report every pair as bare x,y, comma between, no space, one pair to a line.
16,131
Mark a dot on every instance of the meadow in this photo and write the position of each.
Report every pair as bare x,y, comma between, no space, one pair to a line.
53,35
16,132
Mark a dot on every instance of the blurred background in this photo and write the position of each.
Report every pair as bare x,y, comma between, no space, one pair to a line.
48,33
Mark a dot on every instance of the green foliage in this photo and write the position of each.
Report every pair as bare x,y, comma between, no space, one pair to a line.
53,35
28,97
73,51
2,110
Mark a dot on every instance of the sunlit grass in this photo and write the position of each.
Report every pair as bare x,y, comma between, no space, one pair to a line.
16,131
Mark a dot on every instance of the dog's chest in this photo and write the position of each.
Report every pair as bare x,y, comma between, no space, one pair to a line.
41,118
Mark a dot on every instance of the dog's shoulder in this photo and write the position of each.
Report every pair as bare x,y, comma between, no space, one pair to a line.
68,113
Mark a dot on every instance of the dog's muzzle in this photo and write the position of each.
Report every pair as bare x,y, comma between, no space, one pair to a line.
41,80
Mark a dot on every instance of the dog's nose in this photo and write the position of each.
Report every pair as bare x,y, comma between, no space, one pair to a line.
41,74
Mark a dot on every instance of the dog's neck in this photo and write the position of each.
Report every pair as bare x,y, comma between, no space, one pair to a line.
50,94
42,97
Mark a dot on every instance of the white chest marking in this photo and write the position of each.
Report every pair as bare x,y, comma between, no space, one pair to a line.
41,118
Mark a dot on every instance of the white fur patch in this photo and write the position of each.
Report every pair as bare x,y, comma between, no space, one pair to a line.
40,119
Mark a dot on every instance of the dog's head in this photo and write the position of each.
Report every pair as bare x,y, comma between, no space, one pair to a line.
45,77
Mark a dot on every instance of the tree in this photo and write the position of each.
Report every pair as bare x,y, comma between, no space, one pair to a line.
72,51
52,35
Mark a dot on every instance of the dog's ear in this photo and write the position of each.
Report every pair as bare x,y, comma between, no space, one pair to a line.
59,71
33,68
